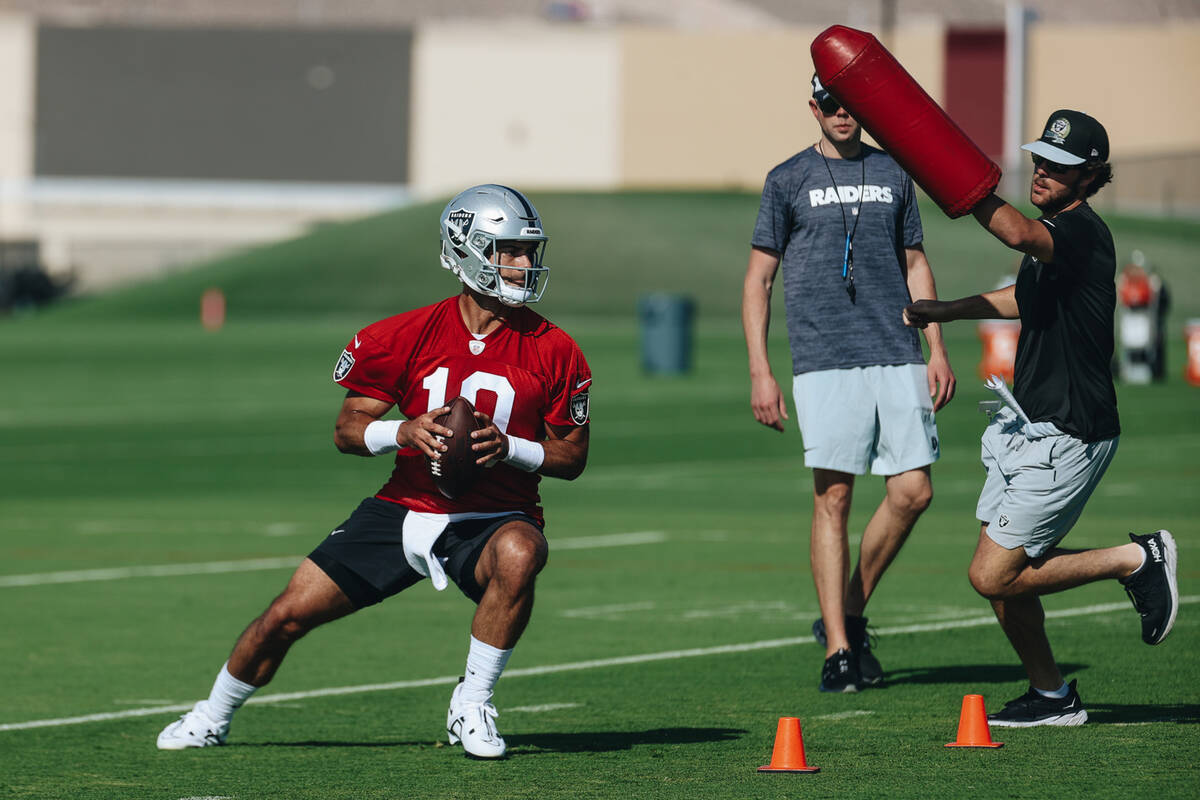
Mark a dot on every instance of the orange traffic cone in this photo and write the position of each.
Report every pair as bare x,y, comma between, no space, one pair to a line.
788,755
973,725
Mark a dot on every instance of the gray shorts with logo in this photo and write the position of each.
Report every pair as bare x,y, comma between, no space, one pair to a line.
1038,481
866,418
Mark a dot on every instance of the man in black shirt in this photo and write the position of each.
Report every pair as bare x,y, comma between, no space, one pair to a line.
1046,450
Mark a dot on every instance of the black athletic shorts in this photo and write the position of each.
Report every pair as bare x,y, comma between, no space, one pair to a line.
364,555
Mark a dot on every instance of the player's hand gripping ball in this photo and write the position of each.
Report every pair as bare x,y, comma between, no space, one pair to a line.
456,471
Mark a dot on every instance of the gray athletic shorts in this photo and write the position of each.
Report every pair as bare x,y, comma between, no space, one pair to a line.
876,418
1038,481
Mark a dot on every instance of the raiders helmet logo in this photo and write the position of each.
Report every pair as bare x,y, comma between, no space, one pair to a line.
458,225
1059,130
344,365
580,406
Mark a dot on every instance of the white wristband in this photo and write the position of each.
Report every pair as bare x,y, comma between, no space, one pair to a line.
524,454
380,436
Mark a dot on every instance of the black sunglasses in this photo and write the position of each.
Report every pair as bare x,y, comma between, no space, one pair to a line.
828,105
1050,166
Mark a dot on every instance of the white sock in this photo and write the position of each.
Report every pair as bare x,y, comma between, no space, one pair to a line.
484,665
1139,566
227,696
1057,694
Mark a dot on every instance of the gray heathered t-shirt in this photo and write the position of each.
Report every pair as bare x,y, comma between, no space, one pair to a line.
800,217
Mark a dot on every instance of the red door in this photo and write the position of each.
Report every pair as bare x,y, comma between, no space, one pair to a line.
975,86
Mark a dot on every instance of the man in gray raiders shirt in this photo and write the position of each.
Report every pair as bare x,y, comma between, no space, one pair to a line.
842,219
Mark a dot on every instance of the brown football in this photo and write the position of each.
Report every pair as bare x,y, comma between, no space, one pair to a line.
456,471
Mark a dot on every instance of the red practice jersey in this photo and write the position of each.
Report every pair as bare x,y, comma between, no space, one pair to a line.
524,374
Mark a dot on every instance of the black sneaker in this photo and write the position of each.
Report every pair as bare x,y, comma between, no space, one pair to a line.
869,668
1153,589
840,673
1033,708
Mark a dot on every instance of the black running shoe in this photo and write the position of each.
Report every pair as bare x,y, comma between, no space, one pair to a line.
1033,708
840,673
1153,589
869,668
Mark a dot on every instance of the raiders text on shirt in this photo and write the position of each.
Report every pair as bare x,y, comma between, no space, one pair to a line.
849,194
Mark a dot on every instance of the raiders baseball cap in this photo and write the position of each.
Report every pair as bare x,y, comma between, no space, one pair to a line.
819,91
827,102
1071,138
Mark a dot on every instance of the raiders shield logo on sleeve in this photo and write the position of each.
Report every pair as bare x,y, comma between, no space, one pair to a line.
579,408
344,365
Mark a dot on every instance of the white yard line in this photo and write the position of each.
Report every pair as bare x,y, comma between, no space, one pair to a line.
254,564
153,571
541,708
667,655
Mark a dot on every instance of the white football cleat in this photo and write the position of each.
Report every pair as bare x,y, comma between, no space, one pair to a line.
194,729
474,725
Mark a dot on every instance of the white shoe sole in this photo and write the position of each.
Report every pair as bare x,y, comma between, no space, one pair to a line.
1171,559
1064,720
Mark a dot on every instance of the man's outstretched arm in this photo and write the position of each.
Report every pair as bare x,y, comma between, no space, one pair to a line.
999,304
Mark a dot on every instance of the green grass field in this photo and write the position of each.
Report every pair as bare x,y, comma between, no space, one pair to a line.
159,483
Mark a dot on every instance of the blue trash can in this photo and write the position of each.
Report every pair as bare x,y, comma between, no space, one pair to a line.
666,325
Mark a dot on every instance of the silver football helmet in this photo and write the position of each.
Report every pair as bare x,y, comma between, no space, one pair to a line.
473,224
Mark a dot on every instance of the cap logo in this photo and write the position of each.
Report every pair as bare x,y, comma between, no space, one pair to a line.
1059,130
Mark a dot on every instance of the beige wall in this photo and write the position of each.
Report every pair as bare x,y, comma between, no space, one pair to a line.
704,109
17,58
921,48
720,109
536,107
1139,81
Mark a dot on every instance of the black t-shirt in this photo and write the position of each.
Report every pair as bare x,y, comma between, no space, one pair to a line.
1064,356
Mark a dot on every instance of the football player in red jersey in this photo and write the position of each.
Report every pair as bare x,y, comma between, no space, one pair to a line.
529,383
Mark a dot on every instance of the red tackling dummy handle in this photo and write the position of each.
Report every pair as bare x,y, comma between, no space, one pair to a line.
870,83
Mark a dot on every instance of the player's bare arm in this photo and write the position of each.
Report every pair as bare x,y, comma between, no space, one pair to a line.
921,286
766,399
998,304
565,448
1015,229
566,451
358,411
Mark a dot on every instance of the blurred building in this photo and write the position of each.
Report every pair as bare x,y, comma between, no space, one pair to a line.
140,136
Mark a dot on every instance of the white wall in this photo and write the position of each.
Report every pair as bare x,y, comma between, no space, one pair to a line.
17,59
533,106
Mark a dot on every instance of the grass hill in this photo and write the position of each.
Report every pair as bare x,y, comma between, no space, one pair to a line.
606,250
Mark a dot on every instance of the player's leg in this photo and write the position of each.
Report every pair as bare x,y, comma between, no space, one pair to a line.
836,415
506,570
830,552
496,564
905,444
359,563
1049,700
998,573
1020,615
908,495
310,599
1036,490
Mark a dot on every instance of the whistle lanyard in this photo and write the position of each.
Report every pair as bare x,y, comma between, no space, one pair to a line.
848,250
